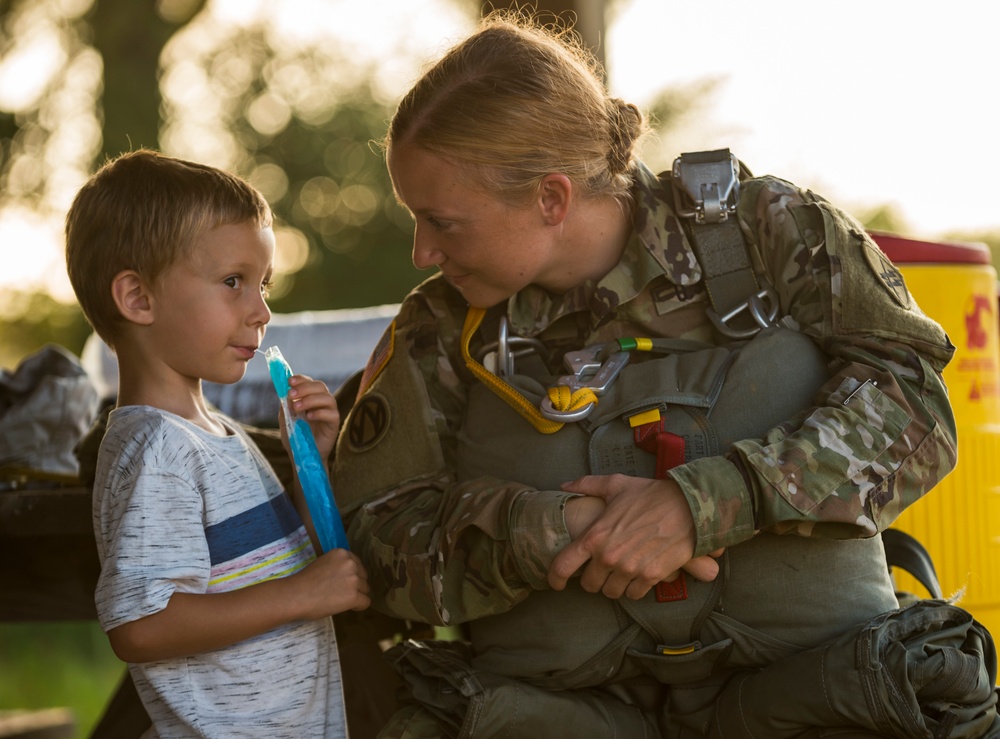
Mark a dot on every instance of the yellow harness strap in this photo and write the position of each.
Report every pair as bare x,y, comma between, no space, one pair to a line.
562,397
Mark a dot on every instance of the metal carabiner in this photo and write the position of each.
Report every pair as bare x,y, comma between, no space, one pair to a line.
498,357
588,372
763,315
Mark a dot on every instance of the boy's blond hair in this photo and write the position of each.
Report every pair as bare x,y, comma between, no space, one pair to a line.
143,211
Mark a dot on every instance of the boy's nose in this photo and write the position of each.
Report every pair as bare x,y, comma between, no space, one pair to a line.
261,314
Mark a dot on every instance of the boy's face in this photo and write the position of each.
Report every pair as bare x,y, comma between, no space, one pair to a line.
209,309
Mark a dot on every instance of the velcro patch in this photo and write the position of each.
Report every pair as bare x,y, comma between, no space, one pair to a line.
379,358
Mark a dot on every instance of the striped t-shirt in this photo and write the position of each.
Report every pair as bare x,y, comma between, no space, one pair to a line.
179,509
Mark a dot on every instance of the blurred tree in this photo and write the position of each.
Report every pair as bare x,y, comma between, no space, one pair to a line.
48,73
42,320
130,37
77,76
299,114
883,218
80,75
302,121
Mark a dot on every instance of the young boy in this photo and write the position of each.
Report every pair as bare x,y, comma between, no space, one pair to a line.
209,586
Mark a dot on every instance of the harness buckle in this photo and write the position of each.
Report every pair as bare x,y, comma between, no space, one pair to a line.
588,372
708,185
763,315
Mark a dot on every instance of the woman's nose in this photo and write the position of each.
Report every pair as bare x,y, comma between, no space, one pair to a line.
425,255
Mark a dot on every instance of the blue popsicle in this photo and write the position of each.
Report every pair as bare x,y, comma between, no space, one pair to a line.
310,468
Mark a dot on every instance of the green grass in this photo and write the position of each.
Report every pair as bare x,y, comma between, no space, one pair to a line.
58,665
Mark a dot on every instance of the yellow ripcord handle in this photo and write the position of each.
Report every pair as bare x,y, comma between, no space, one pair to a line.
562,397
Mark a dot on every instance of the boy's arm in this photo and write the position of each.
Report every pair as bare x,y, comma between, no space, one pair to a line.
193,623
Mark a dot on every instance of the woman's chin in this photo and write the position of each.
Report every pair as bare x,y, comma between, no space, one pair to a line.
476,296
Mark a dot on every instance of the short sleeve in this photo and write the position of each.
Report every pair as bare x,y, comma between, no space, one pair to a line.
152,535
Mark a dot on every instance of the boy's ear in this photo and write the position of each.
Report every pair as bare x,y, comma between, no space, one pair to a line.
555,194
132,296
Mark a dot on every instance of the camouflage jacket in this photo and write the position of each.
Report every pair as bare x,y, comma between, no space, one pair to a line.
444,552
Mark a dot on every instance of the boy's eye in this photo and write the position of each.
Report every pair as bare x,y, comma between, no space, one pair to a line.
265,288
233,281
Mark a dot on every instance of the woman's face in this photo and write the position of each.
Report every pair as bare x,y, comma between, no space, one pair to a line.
487,249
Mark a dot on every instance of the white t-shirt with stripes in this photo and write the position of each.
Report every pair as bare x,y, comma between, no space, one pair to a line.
177,509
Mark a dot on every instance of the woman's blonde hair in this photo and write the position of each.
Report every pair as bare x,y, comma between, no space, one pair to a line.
518,100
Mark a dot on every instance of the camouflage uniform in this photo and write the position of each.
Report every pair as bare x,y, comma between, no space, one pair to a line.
443,547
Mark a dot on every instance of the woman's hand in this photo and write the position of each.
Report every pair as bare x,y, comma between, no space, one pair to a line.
644,535
311,400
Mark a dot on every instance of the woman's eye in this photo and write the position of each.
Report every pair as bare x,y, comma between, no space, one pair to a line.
436,224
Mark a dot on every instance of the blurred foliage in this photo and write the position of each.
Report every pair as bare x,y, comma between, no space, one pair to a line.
40,320
130,37
340,196
343,241
55,665
301,121
883,218
306,135
38,152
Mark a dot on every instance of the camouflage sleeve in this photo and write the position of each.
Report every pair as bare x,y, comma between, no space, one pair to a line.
882,432
436,550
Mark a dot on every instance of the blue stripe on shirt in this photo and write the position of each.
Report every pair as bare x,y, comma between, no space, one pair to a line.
252,529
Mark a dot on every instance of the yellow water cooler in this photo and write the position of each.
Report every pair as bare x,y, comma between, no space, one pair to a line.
959,520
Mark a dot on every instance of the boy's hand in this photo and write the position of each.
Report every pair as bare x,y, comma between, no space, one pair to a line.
310,399
335,582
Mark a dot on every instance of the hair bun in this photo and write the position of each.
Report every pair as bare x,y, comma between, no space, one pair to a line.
625,126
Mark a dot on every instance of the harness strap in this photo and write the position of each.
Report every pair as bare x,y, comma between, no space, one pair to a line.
706,191
668,448
729,278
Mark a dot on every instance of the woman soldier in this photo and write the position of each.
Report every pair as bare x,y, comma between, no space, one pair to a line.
568,442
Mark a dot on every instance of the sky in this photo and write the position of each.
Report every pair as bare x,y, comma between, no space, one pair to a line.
867,102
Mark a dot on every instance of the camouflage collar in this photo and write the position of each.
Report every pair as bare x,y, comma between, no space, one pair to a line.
657,247
659,229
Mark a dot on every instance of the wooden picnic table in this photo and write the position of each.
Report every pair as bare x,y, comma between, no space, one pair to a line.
48,559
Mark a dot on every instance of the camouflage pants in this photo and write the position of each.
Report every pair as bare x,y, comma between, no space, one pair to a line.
459,701
921,671
416,722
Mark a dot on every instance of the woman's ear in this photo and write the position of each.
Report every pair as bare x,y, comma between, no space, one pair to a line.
132,296
555,195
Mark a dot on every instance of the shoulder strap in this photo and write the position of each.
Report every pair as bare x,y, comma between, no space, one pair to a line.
706,193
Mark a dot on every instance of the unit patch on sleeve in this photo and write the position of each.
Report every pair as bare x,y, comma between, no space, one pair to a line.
369,422
886,273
